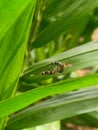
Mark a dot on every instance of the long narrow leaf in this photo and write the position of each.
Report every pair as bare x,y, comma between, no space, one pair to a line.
80,57
77,11
60,107
14,44
10,12
14,104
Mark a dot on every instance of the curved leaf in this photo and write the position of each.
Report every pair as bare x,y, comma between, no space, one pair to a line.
9,106
13,44
80,57
73,15
60,107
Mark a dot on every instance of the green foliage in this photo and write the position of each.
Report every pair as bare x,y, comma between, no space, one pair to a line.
69,19
27,98
60,107
15,25
32,35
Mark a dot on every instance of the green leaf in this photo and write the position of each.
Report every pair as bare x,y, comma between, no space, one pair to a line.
80,57
73,15
87,119
9,106
15,23
56,7
10,12
13,43
60,107
55,125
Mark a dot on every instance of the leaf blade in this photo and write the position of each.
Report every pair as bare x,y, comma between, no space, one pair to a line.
69,19
34,95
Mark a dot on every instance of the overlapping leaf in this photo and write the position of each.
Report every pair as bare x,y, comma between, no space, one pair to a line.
73,15
80,57
60,107
32,96
15,23
14,35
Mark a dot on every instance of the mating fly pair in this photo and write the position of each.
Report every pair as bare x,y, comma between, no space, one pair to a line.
60,68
